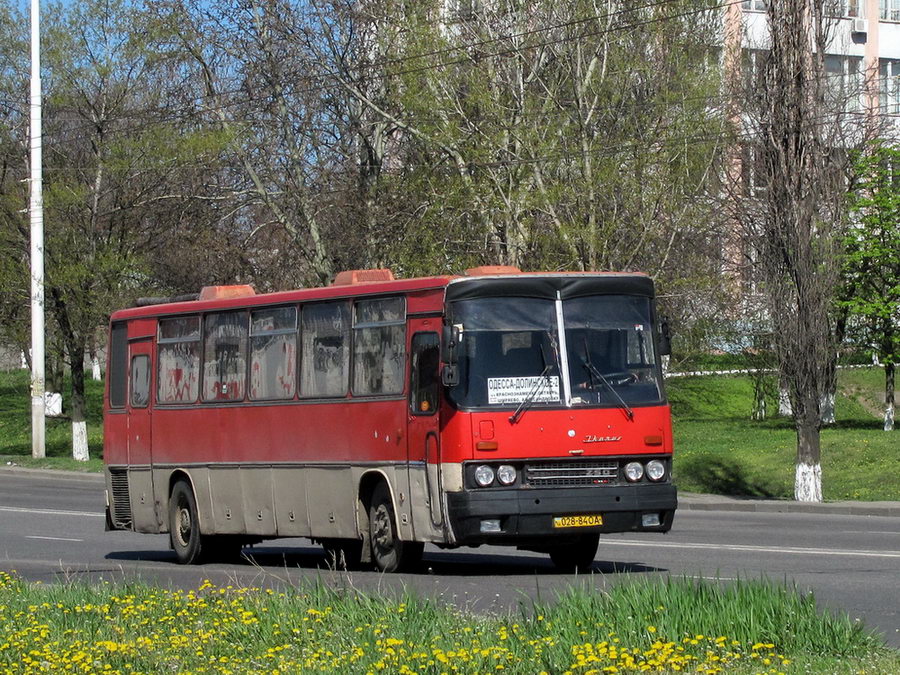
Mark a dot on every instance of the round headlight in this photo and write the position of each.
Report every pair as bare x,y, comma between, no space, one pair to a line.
656,470
634,471
484,475
506,474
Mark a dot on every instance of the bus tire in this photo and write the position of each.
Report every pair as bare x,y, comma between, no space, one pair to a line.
389,552
343,554
577,555
184,525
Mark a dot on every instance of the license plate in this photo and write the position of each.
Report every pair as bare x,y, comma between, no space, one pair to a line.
578,521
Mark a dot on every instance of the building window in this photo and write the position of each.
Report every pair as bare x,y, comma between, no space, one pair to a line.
890,10
889,91
755,5
844,81
753,170
852,9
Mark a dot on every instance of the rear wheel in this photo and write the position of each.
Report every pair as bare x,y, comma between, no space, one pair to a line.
184,525
389,552
577,555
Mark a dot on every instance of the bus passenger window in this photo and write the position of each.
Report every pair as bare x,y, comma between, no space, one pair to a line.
273,353
178,362
325,350
379,337
225,356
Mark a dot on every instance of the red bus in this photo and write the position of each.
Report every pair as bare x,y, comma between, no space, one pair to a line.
376,415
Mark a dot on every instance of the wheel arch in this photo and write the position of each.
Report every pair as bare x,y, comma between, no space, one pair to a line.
183,475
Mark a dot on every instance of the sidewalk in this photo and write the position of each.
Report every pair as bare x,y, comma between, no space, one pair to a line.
687,501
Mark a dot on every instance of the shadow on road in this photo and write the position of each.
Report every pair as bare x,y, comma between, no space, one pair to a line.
434,563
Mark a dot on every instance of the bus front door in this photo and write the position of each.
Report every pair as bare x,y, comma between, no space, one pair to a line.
423,437
140,470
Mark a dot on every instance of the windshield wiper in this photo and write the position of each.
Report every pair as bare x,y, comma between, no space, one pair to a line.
537,385
592,370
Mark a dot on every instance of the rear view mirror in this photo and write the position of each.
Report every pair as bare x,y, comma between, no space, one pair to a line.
665,339
449,344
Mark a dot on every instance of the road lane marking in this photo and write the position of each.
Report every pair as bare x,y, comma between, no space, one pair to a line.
50,512
757,549
34,536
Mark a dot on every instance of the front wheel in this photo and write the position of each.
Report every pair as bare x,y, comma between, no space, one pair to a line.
184,525
577,555
389,552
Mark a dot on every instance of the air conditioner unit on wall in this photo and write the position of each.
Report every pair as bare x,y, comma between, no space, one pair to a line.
859,26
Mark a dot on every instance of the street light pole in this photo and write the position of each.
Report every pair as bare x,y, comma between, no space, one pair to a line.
36,214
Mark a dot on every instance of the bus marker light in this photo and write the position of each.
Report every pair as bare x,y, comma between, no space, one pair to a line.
486,445
492,525
653,440
650,520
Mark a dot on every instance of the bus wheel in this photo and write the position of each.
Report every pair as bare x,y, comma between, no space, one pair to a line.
389,552
577,555
184,526
343,554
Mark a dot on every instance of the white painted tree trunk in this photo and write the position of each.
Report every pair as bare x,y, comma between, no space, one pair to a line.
95,368
80,441
889,418
808,483
784,402
827,408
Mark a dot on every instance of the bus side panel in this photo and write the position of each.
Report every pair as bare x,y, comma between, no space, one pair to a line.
258,491
291,509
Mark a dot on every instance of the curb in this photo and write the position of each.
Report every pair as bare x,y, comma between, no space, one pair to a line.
698,502
87,476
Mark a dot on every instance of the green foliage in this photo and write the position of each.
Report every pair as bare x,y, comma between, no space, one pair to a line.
872,259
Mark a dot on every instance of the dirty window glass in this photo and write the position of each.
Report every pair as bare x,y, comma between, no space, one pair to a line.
273,353
225,356
325,349
140,381
379,340
178,380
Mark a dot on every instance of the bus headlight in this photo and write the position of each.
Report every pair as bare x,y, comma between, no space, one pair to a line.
506,474
484,475
634,471
656,470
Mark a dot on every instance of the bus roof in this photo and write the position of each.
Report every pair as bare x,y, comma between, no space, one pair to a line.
535,284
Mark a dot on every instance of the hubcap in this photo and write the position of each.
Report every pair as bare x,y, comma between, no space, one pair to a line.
381,530
184,526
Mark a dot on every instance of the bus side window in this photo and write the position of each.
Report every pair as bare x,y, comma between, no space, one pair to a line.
118,361
325,349
379,342
424,377
178,360
224,356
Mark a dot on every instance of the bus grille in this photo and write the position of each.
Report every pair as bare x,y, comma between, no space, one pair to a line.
571,474
121,501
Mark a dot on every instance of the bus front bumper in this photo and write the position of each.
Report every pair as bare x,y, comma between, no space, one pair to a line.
526,517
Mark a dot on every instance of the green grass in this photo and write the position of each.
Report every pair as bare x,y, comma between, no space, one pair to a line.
718,449
657,625
15,426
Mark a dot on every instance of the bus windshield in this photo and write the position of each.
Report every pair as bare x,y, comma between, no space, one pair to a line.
512,351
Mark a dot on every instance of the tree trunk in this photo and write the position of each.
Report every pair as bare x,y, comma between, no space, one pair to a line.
79,425
784,399
889,396
827,405
808,474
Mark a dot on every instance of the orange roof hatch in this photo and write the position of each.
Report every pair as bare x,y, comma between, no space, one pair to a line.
353,277
492,270
226,292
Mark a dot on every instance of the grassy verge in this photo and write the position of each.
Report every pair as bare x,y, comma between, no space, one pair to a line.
15,426
720,450
656,626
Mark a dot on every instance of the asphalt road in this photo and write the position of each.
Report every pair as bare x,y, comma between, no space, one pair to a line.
52,529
